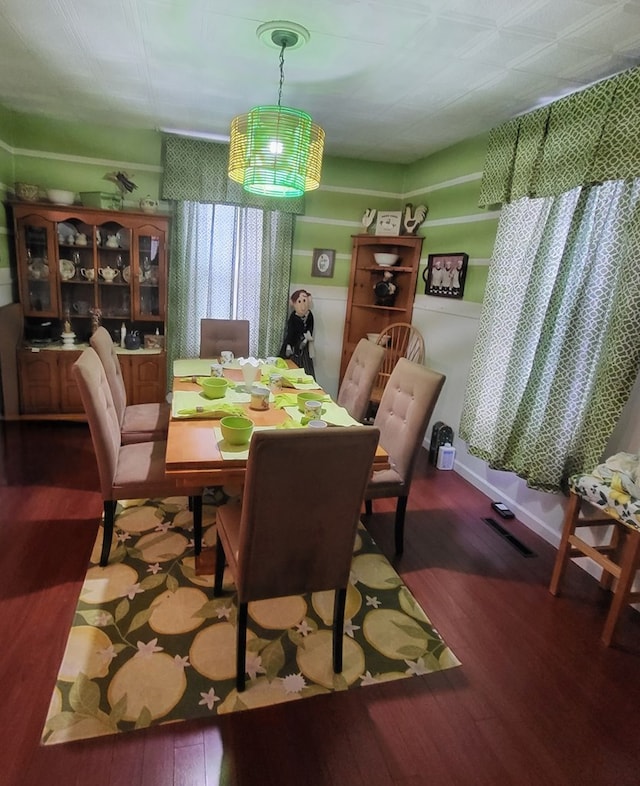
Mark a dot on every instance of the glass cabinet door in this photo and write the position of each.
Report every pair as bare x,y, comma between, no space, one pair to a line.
113,274
37,272
149,285
76,268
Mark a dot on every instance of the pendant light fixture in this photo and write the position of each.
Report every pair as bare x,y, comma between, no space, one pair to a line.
276,150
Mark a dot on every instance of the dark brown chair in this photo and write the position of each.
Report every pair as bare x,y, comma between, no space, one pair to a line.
276,547
356,385
126,471
138,422
217,335
402,417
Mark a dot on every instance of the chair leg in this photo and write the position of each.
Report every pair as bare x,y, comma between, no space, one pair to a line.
564,549
401,509
339,602
107,530
195,504
628,566
368,507
220,563
241,648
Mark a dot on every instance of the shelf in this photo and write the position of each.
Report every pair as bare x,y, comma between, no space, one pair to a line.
391,269
382,308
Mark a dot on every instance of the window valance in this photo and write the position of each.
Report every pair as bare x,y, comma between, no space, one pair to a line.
195,170
588,137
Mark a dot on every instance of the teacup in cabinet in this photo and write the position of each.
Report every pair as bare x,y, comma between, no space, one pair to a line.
108,274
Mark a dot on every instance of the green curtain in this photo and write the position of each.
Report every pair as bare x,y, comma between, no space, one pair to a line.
589,137
558,347
195,170
249,267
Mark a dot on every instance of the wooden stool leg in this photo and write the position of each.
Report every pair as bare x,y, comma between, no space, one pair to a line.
564,549
628,567
617,544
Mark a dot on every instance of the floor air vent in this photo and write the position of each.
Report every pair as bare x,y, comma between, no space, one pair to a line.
517,544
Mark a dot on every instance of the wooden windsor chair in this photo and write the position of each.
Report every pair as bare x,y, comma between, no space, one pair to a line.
400,340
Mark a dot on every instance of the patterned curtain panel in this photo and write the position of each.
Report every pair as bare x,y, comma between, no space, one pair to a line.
586,138
228,263
196,171
558,348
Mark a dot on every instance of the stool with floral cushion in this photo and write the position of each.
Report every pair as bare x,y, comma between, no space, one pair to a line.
613,491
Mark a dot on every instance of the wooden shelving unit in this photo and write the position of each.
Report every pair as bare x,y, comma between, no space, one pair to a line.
72,261
363,314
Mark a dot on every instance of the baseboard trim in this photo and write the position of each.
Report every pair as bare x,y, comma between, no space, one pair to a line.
534,523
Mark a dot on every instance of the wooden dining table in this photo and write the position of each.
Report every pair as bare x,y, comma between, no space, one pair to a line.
193,452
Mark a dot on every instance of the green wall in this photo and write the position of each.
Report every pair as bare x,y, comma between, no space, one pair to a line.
76,156
448,182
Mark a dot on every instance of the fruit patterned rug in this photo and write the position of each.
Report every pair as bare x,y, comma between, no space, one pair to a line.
151,645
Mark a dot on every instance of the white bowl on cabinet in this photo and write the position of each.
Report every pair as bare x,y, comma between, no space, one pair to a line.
386,260
60,197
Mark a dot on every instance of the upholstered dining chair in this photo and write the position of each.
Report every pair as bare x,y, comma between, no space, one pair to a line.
217,335
402,418
138,422
400,340
126,471
276,546
356,385
614,505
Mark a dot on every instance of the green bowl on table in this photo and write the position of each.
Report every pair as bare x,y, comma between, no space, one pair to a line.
214,387
236,430
309,395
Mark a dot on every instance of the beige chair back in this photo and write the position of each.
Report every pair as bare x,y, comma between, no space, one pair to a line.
216,335
103,344
404,413
101,414
356,385
294,543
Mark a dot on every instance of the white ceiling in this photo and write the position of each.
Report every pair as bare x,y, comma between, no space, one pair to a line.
388,80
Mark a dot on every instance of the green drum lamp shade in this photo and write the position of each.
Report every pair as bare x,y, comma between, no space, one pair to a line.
275,150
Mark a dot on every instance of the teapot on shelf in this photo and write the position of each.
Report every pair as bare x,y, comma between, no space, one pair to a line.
148,205
112,241
108,273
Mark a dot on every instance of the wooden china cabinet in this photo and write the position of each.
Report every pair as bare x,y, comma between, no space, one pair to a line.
76,264
370,307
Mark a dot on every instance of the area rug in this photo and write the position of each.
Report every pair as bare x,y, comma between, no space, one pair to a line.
151,645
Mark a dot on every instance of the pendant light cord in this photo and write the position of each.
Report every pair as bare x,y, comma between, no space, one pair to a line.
284,46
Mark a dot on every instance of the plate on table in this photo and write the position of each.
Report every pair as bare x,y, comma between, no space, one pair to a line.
67,269
126,274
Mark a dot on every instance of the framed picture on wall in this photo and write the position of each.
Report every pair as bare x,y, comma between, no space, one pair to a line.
323,262
388,222
445,275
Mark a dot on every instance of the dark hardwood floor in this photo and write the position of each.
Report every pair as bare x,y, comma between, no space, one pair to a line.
538,700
